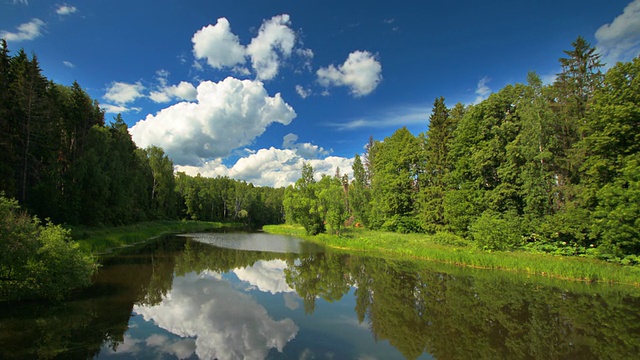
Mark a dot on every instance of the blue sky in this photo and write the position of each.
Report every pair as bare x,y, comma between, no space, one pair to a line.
251,89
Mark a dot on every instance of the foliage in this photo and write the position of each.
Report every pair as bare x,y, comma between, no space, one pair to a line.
429,247
402,224
548,168
38,261
492,231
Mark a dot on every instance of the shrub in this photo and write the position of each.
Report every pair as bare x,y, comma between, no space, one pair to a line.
403,225
38,261
492,231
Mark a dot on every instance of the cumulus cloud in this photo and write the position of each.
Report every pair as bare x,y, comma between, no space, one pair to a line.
275,39
361,72
225,322
303,92
620,40
65,9
271,167
307,57
226,115
218,45
27,31
306,150
182,91
482,90
122,93
118,109
222,49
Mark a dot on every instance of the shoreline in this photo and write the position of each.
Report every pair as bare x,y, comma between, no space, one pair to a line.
422,247
104,240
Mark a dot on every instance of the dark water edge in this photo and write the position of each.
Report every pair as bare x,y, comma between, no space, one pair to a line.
387,309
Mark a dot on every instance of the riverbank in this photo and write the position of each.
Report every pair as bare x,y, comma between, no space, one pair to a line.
456,251
103,239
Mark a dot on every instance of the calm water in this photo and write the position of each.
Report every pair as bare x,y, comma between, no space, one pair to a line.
257,296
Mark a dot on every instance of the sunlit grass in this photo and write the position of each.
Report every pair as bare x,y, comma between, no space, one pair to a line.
433,248
101,239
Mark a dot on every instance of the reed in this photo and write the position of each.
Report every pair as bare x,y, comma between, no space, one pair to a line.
459,252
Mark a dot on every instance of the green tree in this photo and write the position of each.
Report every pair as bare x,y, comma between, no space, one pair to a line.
333,202
163,190
359,192
436,166
303,204
394,185
612,167
574,87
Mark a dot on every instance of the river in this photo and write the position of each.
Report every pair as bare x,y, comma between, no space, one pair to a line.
260,296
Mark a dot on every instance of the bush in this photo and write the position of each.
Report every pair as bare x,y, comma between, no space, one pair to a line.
492,231
38,261
403,225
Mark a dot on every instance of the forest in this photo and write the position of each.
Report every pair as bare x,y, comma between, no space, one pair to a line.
60,162
540,167
548,168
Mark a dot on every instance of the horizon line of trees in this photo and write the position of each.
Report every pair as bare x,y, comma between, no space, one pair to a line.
552,168
62,162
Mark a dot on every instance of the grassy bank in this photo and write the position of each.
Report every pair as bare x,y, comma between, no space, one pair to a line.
99,240
430,247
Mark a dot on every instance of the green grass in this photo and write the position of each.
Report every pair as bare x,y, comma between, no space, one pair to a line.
437,248
102,239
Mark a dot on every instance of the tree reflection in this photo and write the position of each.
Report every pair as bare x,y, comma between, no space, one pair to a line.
448,312
487,315
78,328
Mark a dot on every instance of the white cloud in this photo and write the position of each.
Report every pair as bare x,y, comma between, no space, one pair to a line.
66,9
25,2
307,57
482,90
122,93
27,31
226,115
222,49
620,40
275,38
304,93
398,116
271,167
306,150
118,109
218,45
182,91
225,322
68,64
361,72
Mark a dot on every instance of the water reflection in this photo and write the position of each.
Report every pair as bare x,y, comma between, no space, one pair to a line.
256,242
180,298
226,323
266,276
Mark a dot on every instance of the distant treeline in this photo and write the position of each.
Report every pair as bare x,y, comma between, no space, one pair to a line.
552,168
61,161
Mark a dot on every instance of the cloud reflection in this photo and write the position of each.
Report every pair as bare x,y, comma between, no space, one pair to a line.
226,323
267,276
